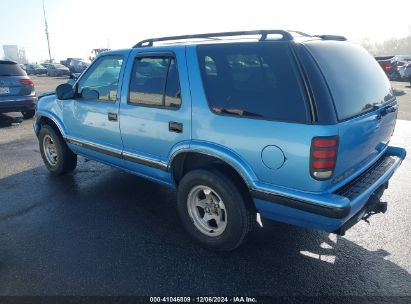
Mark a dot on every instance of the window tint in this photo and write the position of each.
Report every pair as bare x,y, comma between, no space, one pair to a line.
172,94
154,82
355,78
253,80
210,67
103,77
11,69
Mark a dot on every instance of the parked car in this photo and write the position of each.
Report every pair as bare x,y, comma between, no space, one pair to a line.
397,69
385,63
17,92
397,63
405,71
401,58
66,62
56,69
35,69
46,64
77,66
238,128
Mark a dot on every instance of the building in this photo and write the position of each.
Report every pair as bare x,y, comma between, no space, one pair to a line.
14,53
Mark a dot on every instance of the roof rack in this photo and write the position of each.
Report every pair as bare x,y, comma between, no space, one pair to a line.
286,36
299,33
331,37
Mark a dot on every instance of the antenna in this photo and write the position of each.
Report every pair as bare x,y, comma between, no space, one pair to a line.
47,32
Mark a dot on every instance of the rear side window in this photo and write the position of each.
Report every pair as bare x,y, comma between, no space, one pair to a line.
11,69
155,82
356,80
256,80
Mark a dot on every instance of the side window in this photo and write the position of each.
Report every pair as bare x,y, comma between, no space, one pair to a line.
101,80
155,82
172,94
253,80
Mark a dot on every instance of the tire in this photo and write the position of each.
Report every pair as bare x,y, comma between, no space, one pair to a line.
28,114
236,219
395,76
60,159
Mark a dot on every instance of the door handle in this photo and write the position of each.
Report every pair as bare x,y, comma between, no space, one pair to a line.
175,127
112,116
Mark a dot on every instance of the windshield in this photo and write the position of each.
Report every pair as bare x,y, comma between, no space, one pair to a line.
356,80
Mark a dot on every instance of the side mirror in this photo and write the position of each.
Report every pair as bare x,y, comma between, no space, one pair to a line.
65,91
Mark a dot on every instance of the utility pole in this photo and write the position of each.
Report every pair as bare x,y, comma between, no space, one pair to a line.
47,32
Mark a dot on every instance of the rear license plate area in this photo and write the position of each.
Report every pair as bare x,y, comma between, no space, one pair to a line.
4,90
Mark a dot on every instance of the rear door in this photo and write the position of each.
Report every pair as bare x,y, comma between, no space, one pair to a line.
363,99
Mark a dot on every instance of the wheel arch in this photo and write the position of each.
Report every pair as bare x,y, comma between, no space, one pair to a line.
45,119
201,155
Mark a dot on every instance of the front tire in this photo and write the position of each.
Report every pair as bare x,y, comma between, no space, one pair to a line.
57,157
213,210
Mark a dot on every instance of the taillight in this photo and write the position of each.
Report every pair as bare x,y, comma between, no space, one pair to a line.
323,157
27,82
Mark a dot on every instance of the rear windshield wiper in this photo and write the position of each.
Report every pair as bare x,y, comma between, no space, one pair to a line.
7,75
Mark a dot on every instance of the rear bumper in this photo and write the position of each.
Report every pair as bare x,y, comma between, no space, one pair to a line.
331,211
18,104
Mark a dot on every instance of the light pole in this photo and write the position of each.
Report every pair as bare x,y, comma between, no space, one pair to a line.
47,32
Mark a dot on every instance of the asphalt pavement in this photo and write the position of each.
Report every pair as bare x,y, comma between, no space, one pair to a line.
100,231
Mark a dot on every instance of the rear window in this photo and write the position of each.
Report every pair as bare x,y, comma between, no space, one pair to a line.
356,80
255,80
11,69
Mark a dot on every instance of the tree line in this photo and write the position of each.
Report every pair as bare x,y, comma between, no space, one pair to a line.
393,46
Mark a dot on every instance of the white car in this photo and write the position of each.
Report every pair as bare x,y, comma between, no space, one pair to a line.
406,73
401,69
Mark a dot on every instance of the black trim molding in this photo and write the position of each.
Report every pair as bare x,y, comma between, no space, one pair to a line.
144,161
119,154
334,212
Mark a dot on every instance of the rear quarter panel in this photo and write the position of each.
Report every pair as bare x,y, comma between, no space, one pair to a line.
247,138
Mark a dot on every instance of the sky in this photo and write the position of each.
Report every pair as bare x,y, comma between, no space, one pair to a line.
78,26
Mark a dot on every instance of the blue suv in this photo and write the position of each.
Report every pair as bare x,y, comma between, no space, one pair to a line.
289,126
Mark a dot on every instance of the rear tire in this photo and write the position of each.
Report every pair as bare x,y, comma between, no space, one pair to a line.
57,156
213,210
28,114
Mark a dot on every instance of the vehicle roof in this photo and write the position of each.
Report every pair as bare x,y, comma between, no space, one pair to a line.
234,37
175,42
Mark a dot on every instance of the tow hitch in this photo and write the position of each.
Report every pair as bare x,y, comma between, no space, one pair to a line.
373,206
379,207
